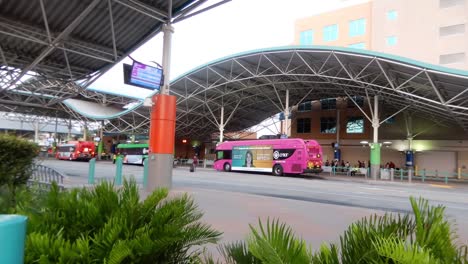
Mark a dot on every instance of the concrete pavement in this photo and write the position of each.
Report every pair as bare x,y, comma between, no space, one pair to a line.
317,209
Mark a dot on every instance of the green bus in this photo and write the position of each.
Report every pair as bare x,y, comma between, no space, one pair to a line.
132,153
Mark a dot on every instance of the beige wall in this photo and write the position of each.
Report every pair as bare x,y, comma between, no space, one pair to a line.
342,17
417,29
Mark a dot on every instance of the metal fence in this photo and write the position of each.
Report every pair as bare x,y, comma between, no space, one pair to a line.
44,176
409,175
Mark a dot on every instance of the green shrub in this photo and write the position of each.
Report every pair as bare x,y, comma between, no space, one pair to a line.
16,160
108,225
425,237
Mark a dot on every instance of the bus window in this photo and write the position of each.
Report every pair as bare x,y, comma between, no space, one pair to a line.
223,154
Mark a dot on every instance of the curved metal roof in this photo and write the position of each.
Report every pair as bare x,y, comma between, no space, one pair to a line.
253,84
52,50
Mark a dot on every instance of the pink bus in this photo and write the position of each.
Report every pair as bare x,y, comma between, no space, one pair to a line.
277,156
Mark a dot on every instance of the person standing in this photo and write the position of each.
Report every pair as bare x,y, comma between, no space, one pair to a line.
195,162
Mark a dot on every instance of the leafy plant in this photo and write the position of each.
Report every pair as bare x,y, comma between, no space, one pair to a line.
109,225
424,237
17,157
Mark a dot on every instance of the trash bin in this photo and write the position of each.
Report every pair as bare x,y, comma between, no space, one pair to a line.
12,238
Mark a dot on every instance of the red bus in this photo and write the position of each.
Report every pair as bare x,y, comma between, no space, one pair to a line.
76,150
278,156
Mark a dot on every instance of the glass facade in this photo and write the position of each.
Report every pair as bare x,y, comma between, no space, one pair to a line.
327,125
357,27
359,101
303,125
360,45
307,106
328,104
306,37
392,15
355,125
391,40
330,33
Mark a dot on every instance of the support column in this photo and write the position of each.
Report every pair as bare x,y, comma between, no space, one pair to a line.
375,146
69,130
101,141
336,147
221,126
85,132
36,131
286,129
56,132
409,160
162,126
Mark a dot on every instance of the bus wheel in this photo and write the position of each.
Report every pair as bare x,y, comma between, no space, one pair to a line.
227,167
277,170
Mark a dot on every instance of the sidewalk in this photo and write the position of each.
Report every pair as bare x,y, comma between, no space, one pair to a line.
458,184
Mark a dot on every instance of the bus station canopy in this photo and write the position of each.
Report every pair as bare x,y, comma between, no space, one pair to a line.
50,51
253,85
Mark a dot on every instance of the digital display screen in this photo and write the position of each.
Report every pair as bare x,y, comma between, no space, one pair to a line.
145,76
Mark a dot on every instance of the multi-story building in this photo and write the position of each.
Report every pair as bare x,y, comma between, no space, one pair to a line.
431,31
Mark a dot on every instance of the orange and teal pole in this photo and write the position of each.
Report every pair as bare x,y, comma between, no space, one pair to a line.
162,124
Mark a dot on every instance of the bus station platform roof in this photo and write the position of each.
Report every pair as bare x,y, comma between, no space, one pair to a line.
253,85
50,52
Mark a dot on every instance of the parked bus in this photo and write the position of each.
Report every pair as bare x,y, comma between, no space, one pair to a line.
278,156
76,150
132,153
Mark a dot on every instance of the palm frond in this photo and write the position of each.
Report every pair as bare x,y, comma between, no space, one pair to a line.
237,253
276,243
433,231
395,250
326,255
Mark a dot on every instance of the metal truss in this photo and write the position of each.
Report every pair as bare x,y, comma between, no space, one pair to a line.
49,54
51,51
260,80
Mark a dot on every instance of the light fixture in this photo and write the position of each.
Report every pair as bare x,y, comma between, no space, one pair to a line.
387,142
364,142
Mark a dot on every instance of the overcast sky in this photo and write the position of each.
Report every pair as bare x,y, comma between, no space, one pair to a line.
237,26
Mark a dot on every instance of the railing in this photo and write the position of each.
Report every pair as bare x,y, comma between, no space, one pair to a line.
410,175
44,176
205,163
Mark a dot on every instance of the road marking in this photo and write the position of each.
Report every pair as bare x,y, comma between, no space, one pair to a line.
371,188
442,186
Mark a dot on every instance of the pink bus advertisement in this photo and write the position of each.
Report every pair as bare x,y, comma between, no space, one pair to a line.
276,156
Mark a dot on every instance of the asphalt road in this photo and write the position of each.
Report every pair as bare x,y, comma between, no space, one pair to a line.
335,197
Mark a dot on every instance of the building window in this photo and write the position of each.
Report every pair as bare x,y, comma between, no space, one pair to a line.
327,125
452,30
360,45
392,15
303,125
330,33
307,106
391,40
452,58
306,37
328,104
357,27
359,101
355,125
450,3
